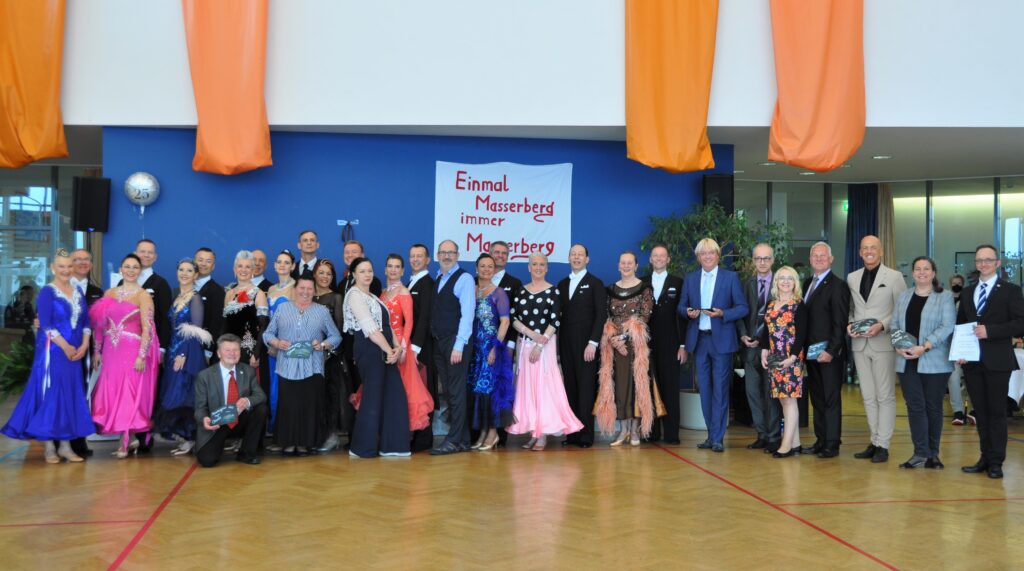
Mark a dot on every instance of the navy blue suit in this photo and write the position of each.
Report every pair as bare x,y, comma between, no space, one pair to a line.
712,352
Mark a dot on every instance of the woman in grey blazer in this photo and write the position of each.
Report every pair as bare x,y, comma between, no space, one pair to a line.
927,313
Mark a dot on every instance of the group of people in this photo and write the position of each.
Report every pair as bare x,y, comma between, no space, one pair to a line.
299,364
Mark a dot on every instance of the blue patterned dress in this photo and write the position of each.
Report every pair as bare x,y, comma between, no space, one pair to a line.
53,406
492,386
176,415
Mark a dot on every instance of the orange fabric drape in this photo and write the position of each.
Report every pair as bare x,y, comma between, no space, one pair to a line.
819,69
31,50
670,51
227,54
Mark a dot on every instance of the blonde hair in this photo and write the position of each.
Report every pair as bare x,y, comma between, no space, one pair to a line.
798,294
707,244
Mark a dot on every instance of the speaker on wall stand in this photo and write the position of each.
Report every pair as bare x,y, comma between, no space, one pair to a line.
90,197
718,188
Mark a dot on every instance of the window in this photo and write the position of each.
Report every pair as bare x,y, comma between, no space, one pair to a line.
1011,226
909,219
962,214
751,199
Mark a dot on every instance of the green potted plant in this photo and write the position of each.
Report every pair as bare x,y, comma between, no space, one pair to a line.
15,367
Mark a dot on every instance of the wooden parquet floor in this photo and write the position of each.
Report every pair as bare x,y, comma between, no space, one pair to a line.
650,507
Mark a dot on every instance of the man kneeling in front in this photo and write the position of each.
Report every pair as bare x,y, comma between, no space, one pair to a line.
229,382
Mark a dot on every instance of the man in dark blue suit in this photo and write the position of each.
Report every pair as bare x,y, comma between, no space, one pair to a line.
713,301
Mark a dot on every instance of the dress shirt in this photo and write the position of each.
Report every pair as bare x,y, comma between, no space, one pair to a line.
496,278
82,284
202,282
465,290
658,282
225,377
989,284
574,280
257,280
315,323
416,277
304,265
145,274
707,294
815,283
867,280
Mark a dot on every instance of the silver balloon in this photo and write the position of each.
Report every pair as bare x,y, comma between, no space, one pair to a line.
142,189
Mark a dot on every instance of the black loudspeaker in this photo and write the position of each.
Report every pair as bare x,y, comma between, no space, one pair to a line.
719,188
91,198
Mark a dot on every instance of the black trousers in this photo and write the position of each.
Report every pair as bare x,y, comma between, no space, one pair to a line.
250,428
665,370
987,390
924,393
424,439
453,379
580,378
824,383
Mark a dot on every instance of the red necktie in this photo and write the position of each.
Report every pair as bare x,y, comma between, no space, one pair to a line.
232,394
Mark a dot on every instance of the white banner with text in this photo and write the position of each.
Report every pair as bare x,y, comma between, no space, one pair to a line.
529,207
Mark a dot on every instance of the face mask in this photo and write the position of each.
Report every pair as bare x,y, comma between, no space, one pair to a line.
957,288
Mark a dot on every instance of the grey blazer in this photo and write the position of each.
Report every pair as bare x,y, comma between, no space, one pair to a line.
209,393
937,320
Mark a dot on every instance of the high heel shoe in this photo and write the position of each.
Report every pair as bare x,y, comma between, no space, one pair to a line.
478,444
121,453
485,446
541,443
529,443
50,453
786,454
185,448
634,439
623,436
133,448
64,451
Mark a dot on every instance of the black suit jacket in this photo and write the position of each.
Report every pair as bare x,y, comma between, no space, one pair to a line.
160,291
511,285
1003,318
92,294
667,326
584,315
749,325
213,307
422,303
828,312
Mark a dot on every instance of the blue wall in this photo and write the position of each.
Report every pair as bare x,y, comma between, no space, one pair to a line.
386,182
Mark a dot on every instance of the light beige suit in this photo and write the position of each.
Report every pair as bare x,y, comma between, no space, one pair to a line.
874,357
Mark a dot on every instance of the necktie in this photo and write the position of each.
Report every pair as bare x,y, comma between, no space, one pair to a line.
761,291
810,290
982,298
232,397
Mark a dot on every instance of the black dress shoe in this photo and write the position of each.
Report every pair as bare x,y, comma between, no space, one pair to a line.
995,471
791,452
566,442
813,448
980,467
868,452
772,446
585,445
914,462
757,444
672,442
706,445
828,453
934,464
446,449
881,455
254,460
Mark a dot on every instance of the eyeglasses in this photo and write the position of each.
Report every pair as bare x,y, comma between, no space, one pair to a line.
763,259
985,260
447,253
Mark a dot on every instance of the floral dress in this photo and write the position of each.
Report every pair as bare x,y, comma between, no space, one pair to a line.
783,336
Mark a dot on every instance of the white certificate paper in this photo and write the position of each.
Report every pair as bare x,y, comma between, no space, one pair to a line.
965,343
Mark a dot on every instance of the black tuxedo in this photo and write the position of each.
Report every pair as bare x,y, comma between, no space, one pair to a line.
988,379
511,285
667,333
828,312
297,270
213,295
582,321
422,302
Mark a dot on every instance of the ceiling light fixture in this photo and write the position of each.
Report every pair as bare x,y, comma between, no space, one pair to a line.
738,172
807,173
845,166
882,157
766,164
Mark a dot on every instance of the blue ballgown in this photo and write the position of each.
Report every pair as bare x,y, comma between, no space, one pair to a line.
491,386
176,415
53,406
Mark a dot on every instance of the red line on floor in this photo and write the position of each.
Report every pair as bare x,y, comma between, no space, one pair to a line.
776,507
149,522
929,501
56,523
